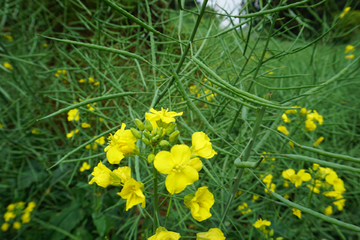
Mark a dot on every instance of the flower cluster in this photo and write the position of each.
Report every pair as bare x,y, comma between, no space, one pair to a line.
60,73
348,50
91,81
212,234
244,208
296,178
7,66
261,225
198,92
17,212
267,180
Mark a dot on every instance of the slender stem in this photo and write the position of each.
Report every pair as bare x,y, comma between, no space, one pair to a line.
156,200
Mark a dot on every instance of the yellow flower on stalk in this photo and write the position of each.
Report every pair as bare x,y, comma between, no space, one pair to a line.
283,130
200,203
318,141
328,210
91,80
285,118
11,207
315,187
175,164
85,125
5,227
335,181
100,140
8,216
73,115
351,56
25,218
163,234
101,175
292,111
315,116
71,133
255,197
291,144
82,81
298,178
201,145
340,202
309,125
35,131
242,207
349,48
85,166
30,207
7,65
133,193
121,175
303,111
17,225
164,115
212,234
315,166
346,10
261,225
297,212
122,143
91,108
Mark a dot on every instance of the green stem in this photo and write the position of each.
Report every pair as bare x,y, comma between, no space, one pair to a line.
156,200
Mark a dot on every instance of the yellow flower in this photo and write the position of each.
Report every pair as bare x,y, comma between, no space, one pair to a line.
351,56
286,183
238,193
122,174
260,224
292,111
91,80
212,234
8,37
283,130
133,192
315,187
11,207
286,196
340,203
315,116
272,188
91,108
298,178
30,207
291,144
349,48
73,114
328,210
25,218
285,118
1,126
96,84
101,176
45,45
255,197
5,227
309,125
71,133
297,212
346,10
35,131
8,216
163,234
201,145
200,203
7,65
318,141
85,125
16,225
337,183
270,73
121,144
85,166
175,164
242,207
303,111
315,166
163,115
82,81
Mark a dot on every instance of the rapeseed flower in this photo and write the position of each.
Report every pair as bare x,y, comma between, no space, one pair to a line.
133,193
309,125
297,212
283,130
7,65
303,111
85,166
315,187
244,208
212,234
291,144
292,111
164,115
318,141
200,203
17,225
100,140
8,37
349,48
340,202
73,115
298,178
351,56
122,143
346,10
101,175
315,116
261,225
175,164
328,210
201,145
285,118
163,234
71,133
5,227
255,197
85,125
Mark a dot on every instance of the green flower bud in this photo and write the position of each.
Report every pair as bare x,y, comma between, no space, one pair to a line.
164,143
147,135
148,125
151,158
170,128
139,124
154,139
136,133
136,150
173,137
145,141
160,131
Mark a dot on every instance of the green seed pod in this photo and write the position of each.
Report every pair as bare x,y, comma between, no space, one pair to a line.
170,128
164,143
136,133
145,141
148,125
173,137
139,124
147,135
151,158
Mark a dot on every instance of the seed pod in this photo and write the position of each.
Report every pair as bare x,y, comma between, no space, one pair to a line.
170,128
145,141
139,124
164,143
173,137
148,125
151,158
136,133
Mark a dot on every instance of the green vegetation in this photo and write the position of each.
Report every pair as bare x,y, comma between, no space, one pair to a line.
72,72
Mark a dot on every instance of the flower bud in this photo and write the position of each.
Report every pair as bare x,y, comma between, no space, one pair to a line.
148,125
147,135
139,124
170,128
160,131
145,141
136,133
164,143
136,150
173,137
154,139
151,158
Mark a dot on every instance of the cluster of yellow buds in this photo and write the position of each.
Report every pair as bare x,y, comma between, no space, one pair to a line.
17,214
91,81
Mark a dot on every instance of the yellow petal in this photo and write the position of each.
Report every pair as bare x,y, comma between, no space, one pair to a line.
163,162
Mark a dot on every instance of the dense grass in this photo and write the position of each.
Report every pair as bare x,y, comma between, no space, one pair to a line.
40,164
